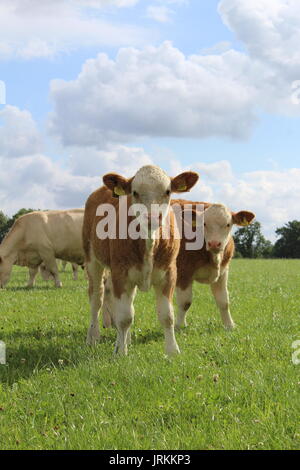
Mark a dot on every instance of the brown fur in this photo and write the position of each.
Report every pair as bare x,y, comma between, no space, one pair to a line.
189,261
121,255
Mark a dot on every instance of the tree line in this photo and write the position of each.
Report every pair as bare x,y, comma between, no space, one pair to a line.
249,241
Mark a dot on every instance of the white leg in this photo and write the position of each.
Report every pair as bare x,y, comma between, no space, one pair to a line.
95,272
123,317
220,293
184,301
166,317
32,275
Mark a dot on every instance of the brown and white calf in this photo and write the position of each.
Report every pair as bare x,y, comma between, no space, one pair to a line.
132,262
209,265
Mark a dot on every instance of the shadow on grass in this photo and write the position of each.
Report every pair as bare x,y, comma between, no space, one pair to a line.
44,288
29,352
29,289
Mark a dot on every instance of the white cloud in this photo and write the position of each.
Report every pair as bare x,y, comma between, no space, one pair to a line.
19,135
36,180
29,178
270,31
160,13
34,28
272,195
89,161
107,3
39,182
268,28
153,92
157,91
218,48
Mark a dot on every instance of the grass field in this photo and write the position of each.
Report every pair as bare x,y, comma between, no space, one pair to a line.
227,390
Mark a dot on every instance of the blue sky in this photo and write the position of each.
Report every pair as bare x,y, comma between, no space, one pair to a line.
216,90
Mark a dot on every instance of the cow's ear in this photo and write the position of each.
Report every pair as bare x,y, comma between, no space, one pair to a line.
184,182
242,218
119,185
193,217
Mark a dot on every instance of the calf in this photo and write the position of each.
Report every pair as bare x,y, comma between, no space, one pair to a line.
209,265
139,262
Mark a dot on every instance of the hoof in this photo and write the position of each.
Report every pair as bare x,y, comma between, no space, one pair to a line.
93,337
230,326
173,350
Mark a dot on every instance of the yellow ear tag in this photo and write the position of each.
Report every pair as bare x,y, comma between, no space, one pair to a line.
183,187
119,191
244,222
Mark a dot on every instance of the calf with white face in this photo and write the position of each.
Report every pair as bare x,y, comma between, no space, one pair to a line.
133,262
210,265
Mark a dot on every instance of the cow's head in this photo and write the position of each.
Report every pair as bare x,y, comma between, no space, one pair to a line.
151,186
218,222
5,271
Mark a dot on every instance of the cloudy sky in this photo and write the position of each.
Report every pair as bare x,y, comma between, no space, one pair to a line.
110,85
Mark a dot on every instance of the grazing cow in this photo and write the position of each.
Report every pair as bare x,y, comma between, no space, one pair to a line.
40,237
209,265
140,262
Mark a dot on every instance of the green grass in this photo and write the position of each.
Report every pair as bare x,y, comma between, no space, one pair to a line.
227,390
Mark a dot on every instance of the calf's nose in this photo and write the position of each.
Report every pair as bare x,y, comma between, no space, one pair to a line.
214,245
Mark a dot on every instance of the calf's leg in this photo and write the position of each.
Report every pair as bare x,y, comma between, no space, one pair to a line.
107,308
184,301
220,293
95,275
123,318
165,313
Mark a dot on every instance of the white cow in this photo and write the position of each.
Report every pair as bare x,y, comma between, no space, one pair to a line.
41,237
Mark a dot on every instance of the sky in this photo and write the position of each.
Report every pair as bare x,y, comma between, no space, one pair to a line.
94,86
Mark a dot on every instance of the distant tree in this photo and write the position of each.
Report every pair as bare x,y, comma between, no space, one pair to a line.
6,223
288,245
3,223
250,242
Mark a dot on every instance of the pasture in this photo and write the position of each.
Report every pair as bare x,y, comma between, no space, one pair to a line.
227,390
